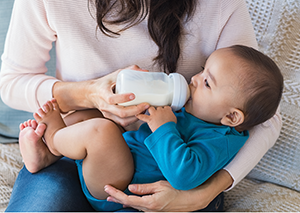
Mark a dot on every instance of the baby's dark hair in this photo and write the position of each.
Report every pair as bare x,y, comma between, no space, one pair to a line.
262,86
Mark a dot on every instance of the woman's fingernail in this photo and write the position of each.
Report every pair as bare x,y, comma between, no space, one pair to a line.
131,97
132,187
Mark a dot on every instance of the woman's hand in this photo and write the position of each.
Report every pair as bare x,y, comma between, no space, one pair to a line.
98,93
158,196
106,100
161,196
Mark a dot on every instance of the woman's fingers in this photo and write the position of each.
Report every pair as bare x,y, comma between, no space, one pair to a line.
123,115
107,101
120,98
124,112
155,196
133,201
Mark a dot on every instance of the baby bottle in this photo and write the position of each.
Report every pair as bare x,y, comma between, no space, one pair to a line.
155,88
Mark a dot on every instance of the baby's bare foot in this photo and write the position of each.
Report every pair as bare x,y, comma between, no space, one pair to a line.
50,115
34,151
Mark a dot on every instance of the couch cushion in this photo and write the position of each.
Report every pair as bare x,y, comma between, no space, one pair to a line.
256,196
10,165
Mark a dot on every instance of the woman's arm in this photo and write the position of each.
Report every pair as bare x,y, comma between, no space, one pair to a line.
23,81
98,94
262,138
161,196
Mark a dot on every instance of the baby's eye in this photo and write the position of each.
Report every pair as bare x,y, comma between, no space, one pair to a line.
206,83
202,68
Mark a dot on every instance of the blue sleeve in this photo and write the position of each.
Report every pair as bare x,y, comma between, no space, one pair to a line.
187,165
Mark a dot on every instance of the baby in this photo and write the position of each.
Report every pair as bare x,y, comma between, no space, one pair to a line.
239,88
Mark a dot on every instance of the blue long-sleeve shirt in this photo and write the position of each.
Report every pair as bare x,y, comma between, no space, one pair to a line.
186,153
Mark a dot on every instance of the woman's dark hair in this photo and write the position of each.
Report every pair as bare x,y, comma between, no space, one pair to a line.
165,23
262,86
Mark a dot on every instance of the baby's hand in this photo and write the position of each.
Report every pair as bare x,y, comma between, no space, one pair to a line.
158,116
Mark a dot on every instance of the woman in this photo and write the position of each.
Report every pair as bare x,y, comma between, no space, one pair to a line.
170,36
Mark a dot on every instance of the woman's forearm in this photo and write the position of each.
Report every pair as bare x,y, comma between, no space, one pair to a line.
201,196
206,192
73,95
262,138
97,93
25,92
161,196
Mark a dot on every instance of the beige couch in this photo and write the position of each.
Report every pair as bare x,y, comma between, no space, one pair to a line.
274,184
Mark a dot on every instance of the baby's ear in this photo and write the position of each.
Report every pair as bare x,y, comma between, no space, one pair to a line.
234,118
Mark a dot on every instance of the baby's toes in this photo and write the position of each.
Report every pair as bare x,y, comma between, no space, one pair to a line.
40,130
33,124
37,116
47,107
27,123
22,126
54,104
41,113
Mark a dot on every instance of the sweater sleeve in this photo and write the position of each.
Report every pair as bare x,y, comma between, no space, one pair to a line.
262,138
186,165
23,82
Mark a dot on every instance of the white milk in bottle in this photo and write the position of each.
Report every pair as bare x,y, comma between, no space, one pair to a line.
155,88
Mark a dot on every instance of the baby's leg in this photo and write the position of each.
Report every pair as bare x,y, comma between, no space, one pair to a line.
34,151
81,115
107,158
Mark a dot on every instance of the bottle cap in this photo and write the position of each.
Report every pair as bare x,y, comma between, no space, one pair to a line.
181,91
